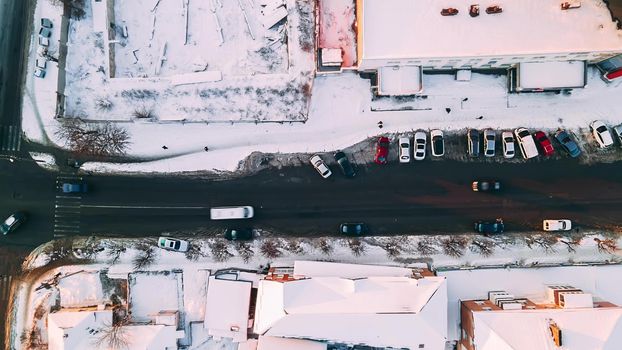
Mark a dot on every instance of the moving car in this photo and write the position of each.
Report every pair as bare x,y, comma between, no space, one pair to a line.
12,222
557,225
382,150
526,143
320,166
404,149
420,141
567,143
618,131
508,144
601,134
544,143
239,234
473,143
68,187
489,142
488,227
486,186
344,164
229,213
438,143
176,245
354,229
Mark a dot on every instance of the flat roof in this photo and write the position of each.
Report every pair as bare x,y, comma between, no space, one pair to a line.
408,29
226,308
551,75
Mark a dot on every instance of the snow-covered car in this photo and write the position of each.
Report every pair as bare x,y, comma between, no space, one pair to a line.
557,225
508,144
437,143
41,63
404,149
12,222
489,142
420,141
320,166
176,245
601,134
526,143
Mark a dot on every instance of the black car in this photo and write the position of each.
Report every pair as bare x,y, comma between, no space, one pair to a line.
354,229
12,222
488,227
239,234
473,143
486,186
344,164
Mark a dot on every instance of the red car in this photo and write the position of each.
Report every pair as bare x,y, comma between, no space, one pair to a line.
544,143
382,150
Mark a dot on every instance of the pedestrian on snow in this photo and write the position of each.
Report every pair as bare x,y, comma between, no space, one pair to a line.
206,149
164,147
448,110
380,124
465,99
480,117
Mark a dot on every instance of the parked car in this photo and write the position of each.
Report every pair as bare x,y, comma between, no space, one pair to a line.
382,150
45,32
489,142
12,222
420,141
320,166
557,225
618,131
39,73
526,143
354,229
489,227
46,23
230,213
567,143
601,134
176,245
508,144
69,187
344,164
404,149
544,143
41,63
473,143
239,234
486,186
438,143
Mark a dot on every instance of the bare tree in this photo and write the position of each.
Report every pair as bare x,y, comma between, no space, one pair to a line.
571,243
427,246
114,250
76,6
93,139
356,246
195,251
145,257
59,249
113,336
393,246
606,246
546,242
220,250
270,249
294,246
245,251
325,246
454,246
482,246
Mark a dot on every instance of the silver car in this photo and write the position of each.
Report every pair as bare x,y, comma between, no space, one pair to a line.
320,166
420,141
489,142
508,144
404,149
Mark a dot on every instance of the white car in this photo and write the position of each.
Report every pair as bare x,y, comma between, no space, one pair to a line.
508,144
420,141
404,149
231,213
320,166
601,134
489,142
437,143
526,143
176,245
39,73
557,225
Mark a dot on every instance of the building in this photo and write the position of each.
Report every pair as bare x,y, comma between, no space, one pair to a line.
567,318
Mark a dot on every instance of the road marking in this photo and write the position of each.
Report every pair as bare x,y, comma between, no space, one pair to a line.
69,197
136,207
62,177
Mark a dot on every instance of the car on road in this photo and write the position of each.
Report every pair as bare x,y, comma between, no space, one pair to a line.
508,144
382,150
354,229
420,141
437,143
344,164
231,213
618,131
526,143
404,149
70,187
557,225
567,143
489,227
320,166
543,142
12,222
486,186
176,245
473,142
239,234
601,134
489,142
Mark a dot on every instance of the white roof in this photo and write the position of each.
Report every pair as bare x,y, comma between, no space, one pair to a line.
399,80
151,337
410,29
325,269
81,289
551,75
275,343
226,308
528,329
70,329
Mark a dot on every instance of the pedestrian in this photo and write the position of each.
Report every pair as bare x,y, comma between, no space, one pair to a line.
206,149
164,147
448,110
380,124
480,117
465,99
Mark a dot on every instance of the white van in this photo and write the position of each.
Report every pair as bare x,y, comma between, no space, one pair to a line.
526,143
228,213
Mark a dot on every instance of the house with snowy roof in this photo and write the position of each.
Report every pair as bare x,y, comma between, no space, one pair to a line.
567,319
376,306
544,44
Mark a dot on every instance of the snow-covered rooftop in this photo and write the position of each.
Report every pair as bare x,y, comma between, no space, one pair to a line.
529,329
74,329
309,268
409,29
226,310
275,343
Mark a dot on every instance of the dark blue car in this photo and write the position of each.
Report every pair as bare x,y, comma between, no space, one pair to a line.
567,143
489,227
74,188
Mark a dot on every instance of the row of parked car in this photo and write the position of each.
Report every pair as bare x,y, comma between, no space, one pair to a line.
45,32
